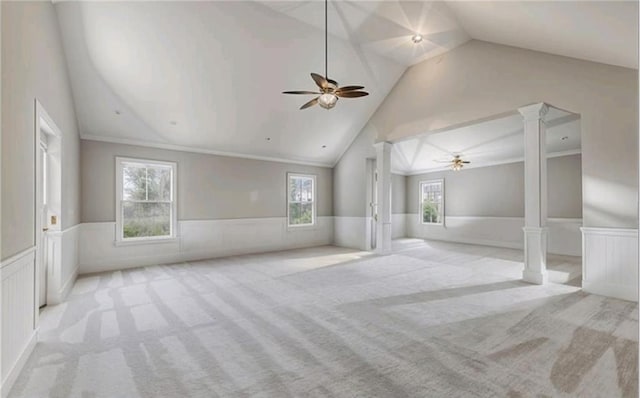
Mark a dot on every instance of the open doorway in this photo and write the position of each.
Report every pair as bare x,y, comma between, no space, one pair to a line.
466,185
48,203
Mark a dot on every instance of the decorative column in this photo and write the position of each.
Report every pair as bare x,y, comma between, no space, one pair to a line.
383,225
535,194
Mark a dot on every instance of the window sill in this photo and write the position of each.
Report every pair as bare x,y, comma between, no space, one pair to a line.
305,227
439,224
146,241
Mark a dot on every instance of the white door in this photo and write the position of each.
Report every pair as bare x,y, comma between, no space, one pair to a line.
41,206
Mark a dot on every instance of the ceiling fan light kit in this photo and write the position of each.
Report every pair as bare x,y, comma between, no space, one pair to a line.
327,100
456,163
329,90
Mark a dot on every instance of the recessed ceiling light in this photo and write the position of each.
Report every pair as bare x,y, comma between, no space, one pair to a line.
417,38
173,122
268,138
117,112
565,138
324,146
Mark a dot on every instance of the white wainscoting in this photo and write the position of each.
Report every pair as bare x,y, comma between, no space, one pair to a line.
198,239
564,234
18,337
352,232
610,262
398,226
62,263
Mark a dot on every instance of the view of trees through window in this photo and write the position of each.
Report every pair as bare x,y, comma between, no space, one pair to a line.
431,199
146,200
301,197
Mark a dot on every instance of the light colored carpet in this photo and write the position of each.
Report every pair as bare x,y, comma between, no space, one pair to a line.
431,320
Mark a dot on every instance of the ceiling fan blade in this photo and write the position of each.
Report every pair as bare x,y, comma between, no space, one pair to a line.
444,161
320,81
349,88
352,94
300,92
310,103
466,162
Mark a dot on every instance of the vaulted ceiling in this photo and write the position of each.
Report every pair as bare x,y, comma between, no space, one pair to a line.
496,141
208,76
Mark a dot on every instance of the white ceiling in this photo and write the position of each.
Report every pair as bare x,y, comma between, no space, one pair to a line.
217,69
600,31
490,142
385,27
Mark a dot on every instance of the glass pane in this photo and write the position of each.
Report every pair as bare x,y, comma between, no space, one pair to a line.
306,216
307,189
294,213
429,211
134,182
146,219
300,213
294,189
159,183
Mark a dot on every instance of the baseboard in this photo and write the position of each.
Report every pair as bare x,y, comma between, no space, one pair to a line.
480,242
14,372
629,293
143,261
68,285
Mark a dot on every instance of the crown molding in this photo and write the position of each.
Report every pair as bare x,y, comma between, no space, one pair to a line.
181,148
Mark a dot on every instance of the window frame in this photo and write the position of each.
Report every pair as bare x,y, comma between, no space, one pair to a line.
421,201
314,215
173,219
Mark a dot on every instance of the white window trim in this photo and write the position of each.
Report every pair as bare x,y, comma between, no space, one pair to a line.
420,201
173,237
314,215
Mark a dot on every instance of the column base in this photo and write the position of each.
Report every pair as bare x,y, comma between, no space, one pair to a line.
535,255
537,278
384,245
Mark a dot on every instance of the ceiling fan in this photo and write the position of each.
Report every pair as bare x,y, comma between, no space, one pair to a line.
456,163
329,90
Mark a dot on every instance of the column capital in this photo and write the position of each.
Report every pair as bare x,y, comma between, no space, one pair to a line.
534,111
383,146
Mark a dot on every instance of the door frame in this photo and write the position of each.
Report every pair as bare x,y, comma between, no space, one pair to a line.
42,123
371,206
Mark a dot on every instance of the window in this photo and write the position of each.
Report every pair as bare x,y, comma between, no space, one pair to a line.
432,201
301,200
145,200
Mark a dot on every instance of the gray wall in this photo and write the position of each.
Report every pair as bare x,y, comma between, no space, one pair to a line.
564,181
498,191
33,66
480,79
398,194
350,176
446,92
209,186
